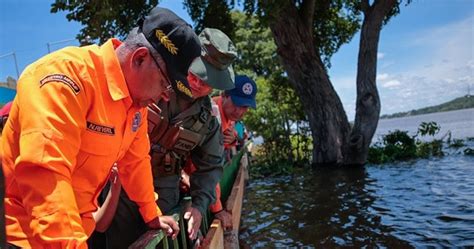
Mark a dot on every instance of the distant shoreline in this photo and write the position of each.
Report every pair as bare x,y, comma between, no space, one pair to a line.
460,103
458,122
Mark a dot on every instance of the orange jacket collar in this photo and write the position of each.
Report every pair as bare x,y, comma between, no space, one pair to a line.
225,122
115,79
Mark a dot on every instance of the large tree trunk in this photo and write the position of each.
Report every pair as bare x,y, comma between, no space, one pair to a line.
333,141
326,116
368,101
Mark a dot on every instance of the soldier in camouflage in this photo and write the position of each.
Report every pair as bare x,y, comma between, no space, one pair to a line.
180,129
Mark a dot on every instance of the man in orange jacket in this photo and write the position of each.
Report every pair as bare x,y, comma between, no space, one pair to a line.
77,112
180,129
233,104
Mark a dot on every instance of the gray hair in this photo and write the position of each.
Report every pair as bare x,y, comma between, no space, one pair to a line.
136,40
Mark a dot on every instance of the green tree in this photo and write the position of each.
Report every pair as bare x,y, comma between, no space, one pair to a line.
276,123
204,14
307,33
103,19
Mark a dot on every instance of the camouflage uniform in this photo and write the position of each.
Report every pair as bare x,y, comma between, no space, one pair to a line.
178,130
207,154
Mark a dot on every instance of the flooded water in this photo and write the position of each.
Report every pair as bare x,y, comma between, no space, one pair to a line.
421,203
459,122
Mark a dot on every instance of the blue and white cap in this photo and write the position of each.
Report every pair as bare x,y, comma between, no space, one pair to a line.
244,92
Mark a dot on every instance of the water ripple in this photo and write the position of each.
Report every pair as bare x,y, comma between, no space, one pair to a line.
424,203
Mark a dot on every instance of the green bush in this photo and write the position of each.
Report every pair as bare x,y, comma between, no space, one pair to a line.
428,149
399,146
395,146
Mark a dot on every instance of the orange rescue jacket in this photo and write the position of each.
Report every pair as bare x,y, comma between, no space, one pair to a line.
226,124
71,120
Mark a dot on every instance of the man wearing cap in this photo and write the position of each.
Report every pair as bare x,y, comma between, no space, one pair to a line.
181,129
77,112
233,104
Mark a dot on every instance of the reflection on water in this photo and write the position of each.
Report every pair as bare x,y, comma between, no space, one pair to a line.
416,204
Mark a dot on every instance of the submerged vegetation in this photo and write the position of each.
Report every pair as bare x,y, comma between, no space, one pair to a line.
399,146
272,159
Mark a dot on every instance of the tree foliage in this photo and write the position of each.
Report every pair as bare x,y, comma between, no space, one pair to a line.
203,12
306,33
335,21
103,19
279,118
257,51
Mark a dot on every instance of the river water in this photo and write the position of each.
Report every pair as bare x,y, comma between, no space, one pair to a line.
460,123
420,203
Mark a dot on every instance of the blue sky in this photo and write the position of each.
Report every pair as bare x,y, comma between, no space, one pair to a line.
426,53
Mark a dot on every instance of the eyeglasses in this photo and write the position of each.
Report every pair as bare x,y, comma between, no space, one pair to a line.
168,87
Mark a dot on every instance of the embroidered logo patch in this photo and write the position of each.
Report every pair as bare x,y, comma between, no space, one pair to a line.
137,120
247,88
166,42
182,88
102,129
61,78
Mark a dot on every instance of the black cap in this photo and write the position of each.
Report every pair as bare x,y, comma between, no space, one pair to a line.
176,42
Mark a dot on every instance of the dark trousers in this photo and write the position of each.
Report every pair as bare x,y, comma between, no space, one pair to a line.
127,225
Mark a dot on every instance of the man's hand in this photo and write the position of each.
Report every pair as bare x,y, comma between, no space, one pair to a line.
165,223
185,183
194,217
229,136
226,219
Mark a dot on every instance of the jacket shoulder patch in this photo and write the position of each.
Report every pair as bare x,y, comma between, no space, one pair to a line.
63,79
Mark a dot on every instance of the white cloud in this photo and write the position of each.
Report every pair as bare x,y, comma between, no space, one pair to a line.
391,84
470,64
405,92
466,78
428,67
382,77
448,80
442,70
449,49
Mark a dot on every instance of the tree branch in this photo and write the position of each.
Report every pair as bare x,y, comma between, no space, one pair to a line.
364,5
383,7
307,13
368,99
